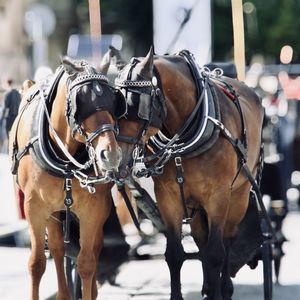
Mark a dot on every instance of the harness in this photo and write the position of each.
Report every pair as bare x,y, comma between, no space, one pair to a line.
181,144
145,102
39,145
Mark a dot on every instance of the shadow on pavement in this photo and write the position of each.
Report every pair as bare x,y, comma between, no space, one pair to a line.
280,292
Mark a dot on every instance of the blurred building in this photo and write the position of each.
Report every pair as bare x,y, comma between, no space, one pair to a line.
18,49
13,60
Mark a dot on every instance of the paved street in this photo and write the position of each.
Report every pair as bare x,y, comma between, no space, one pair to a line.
148,280
143,279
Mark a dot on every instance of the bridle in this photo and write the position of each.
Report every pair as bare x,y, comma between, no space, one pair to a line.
140,87
73,86
166,148
79,170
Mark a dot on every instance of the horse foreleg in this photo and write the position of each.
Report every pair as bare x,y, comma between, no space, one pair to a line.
97,250
174,256
56,247
91,241
37,260
227,286
86,266
213,256
199,232
237,209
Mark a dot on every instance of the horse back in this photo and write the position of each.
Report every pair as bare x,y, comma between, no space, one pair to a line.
21,130
252,113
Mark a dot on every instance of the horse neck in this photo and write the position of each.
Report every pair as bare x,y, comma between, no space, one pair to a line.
179,91
59,121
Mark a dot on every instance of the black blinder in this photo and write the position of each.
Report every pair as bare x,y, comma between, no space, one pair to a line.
97,88
88,98
121,105
145,106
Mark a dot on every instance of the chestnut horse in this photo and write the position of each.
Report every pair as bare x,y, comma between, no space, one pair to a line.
210,138
65,154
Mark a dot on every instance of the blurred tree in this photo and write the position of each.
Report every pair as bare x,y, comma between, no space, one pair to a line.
132,19
269,25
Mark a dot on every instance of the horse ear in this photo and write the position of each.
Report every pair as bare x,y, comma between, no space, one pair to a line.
111,54
147,63
105,63
71,67
116,55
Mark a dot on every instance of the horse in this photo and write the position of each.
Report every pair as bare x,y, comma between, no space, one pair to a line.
64,155
199,135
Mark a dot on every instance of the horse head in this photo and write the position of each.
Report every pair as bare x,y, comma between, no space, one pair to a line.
146,109
93,107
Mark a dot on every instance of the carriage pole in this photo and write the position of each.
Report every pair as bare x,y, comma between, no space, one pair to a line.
238,37
95,29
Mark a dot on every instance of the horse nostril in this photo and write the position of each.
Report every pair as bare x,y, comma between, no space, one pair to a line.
103,155
124,174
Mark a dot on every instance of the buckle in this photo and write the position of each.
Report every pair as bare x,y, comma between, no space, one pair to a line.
178,161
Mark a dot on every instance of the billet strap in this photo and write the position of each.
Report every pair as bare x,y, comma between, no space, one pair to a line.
68,201
180,181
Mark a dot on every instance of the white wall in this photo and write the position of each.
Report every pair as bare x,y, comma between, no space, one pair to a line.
196,34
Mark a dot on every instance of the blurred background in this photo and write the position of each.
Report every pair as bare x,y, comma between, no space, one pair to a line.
36,34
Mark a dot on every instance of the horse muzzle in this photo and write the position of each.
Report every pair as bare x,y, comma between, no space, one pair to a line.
108,160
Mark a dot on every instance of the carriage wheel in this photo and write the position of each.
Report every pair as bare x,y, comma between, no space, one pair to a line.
73,278
266,250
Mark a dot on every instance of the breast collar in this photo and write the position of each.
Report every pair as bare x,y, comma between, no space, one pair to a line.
197,135
42,151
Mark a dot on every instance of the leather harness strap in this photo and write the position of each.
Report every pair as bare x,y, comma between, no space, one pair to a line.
135,220
180,181
68,201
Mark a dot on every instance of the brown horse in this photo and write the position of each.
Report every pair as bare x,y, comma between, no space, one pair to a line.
210,136
63,146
